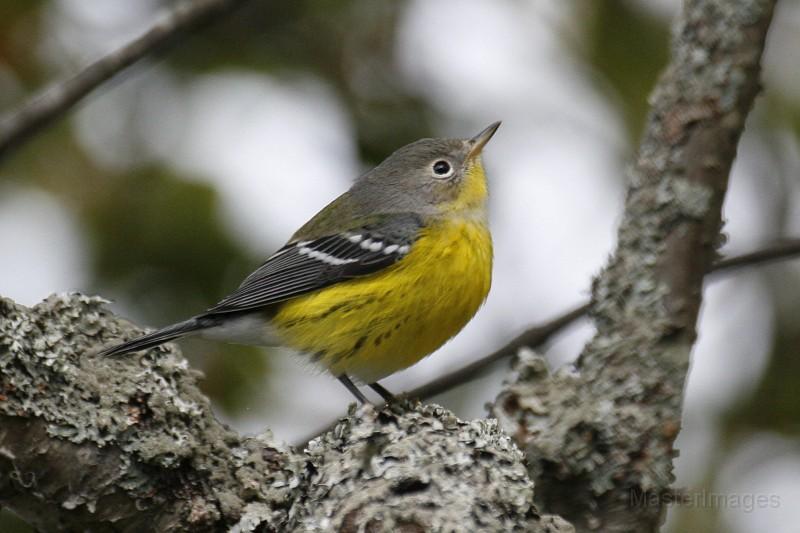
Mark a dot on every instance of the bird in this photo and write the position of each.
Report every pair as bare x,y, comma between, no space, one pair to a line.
380,278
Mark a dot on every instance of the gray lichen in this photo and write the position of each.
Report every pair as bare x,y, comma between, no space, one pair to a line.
581,435
140,421
414,467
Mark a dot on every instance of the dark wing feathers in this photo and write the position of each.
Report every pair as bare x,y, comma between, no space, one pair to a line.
303,266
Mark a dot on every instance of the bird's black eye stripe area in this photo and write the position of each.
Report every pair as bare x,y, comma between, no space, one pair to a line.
442,168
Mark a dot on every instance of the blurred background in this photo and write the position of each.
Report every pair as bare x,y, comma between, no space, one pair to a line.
170,184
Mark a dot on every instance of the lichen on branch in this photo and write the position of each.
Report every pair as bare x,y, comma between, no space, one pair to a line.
130,441
130,444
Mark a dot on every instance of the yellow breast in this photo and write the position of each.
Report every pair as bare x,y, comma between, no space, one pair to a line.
373,326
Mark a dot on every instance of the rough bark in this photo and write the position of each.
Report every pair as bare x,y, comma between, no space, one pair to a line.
129,444
599,438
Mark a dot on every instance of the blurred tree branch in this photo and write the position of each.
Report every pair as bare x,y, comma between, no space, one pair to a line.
43,108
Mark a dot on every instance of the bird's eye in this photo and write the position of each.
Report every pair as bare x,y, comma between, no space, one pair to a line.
442,169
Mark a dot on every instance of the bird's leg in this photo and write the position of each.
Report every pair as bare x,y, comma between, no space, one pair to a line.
380,389
352,388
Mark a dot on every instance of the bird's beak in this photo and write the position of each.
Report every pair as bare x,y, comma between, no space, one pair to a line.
479,141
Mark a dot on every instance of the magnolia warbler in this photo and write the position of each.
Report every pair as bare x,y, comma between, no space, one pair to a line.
381,277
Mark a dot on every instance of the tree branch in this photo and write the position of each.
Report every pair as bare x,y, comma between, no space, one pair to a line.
91,443
51,103
130,444
786,249
600,440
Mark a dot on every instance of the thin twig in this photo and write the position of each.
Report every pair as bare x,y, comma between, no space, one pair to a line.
532,337
538,335
775,252
51,103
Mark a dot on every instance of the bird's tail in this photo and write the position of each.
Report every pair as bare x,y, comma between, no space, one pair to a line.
157,337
